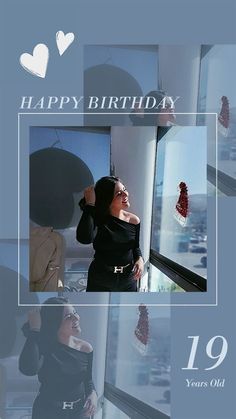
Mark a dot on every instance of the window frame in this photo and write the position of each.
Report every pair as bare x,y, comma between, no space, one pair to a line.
185,278
225,183
132,407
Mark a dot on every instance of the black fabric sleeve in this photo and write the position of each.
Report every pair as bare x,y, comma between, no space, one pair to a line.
29,360
85,231
137,251
88,383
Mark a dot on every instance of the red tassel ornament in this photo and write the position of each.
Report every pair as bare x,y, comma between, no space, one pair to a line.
141,333
223,117
181,208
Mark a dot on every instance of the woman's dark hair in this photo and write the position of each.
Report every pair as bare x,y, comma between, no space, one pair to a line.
149,118
104,191
51,318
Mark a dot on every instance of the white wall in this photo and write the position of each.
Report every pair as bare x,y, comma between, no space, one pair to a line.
133,156
179,67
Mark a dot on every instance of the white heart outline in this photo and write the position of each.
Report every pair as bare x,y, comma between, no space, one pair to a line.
64,41
36,63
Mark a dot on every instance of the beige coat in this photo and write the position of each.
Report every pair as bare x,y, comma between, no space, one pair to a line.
46,259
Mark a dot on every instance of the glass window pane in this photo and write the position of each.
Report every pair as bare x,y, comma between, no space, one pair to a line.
143,371
159,282
218,94
111,411
179,223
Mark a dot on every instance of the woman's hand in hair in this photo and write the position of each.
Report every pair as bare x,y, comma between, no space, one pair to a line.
138,268
89,195
34,320
91,404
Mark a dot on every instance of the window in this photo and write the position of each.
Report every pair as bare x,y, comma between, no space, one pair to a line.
161,282
111,411
141,372
140,61
179,219
217,93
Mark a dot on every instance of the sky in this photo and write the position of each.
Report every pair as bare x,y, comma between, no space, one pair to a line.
182,156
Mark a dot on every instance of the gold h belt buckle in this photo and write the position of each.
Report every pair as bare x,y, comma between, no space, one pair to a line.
68,405
118,269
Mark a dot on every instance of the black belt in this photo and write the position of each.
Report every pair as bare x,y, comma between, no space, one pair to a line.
65,405
115,269
72,405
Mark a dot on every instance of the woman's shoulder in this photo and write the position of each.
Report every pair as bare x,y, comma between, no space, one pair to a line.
132,218
84,346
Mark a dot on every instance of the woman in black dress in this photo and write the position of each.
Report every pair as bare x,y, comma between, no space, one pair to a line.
114,232
62,361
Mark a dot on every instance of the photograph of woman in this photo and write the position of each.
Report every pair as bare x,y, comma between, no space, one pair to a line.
62,361
114,232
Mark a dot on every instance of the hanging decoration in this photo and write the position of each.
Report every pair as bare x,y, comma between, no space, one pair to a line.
181,208
223,117
141,333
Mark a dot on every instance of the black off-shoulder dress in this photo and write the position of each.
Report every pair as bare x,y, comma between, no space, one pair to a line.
116,243
65,375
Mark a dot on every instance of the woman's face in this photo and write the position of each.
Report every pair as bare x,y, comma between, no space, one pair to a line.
167,116
121,198
70,325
